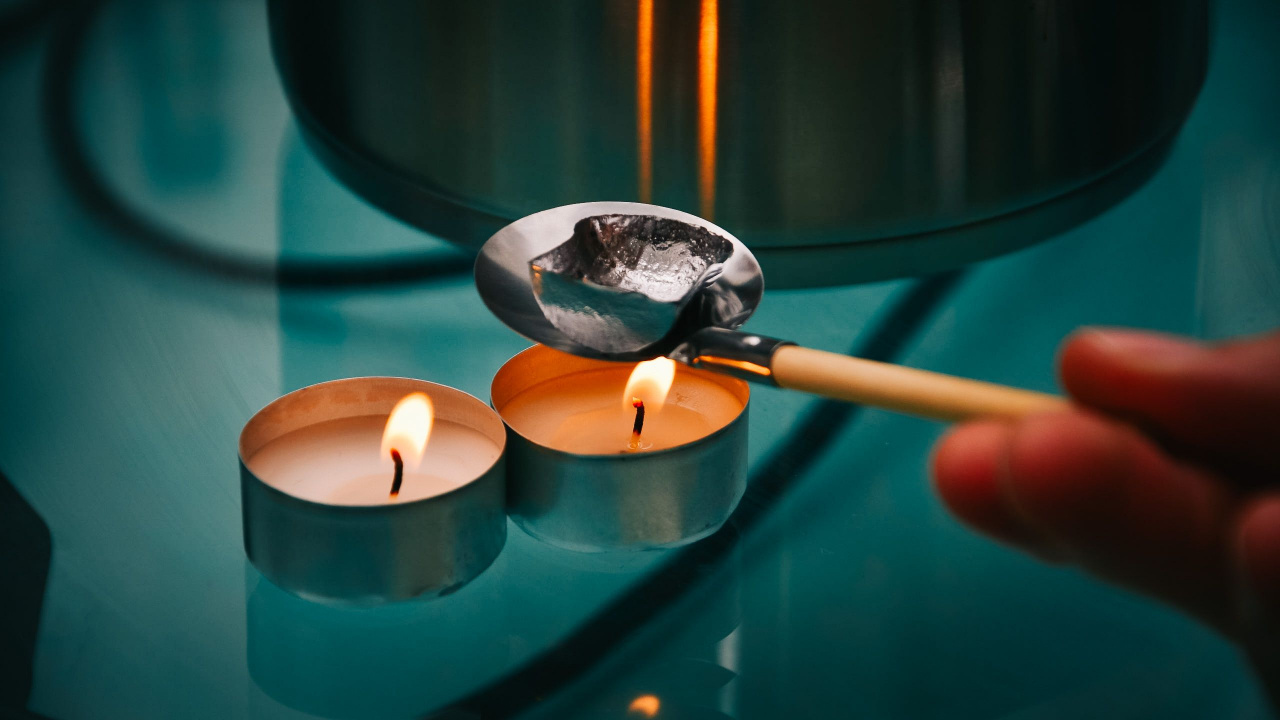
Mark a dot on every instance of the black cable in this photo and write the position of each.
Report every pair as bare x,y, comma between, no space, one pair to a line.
555,668
59,86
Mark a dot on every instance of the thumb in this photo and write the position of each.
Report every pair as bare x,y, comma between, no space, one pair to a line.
1220,404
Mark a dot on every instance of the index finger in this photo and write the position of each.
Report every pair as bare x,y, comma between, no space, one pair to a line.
1217,404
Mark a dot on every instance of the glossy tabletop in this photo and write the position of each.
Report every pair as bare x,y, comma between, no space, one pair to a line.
132,356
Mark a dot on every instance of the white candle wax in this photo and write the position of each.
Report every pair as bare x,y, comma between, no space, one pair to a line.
584,413
339,462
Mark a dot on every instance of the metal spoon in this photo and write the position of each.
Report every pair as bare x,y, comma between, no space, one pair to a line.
549,276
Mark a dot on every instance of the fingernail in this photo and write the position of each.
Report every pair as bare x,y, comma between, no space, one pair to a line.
1150,347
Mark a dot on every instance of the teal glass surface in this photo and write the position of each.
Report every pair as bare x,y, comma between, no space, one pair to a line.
127,377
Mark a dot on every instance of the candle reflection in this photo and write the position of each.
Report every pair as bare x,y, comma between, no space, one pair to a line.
645,706
644,97
708,68
334,661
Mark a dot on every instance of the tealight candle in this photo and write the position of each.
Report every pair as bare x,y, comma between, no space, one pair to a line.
594,411
581,477
340,462
372,489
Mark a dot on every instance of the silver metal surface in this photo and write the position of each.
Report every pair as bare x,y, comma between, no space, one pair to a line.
843,141
743,355
503,279
601,503
620,283
375,553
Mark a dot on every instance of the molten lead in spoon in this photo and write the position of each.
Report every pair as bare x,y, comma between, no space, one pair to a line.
620,282
557,286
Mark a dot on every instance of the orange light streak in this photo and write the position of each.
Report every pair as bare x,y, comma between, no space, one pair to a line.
743,365
644,97
708,59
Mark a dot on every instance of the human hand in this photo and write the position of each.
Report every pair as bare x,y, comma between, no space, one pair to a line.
1165,478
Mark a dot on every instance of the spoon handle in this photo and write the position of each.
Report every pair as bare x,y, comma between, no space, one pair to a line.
903,389
867,382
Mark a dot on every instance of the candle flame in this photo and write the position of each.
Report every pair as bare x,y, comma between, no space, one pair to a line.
645,706
408,428
649,383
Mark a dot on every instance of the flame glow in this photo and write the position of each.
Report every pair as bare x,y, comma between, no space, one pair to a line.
650,382
408,428
708,68
644,97
644,706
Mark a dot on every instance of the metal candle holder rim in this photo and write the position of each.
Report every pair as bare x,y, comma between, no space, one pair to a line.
501,440
735,386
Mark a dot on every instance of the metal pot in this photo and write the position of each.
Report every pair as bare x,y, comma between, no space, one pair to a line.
841,141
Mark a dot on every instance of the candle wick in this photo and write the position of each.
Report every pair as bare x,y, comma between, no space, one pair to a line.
638,426
395,484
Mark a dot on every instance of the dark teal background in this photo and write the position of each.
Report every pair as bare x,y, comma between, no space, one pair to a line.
126,378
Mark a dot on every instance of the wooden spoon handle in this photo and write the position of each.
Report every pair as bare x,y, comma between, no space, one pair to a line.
903,389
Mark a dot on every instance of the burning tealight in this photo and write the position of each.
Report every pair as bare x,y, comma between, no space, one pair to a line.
607,456
373,489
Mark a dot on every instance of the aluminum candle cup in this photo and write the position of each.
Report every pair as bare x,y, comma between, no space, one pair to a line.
315,487
572,479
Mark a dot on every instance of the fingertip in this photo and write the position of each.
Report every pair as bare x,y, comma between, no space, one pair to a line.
1083,342
1134,345
967,465
1098,365
1212,402
1084,364
965,462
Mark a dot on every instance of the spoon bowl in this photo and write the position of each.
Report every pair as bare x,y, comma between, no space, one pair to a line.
517,289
